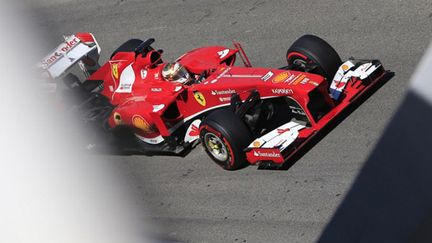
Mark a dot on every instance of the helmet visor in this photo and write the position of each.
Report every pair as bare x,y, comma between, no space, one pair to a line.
176,73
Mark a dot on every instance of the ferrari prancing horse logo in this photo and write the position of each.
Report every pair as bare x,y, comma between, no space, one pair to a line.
199,97
114,70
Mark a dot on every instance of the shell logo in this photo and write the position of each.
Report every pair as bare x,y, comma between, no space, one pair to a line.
345,67
281,77
139,122
256,144
114,70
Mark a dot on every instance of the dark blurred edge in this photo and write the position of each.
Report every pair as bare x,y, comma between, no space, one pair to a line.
391,199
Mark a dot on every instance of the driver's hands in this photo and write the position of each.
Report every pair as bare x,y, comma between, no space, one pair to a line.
201,77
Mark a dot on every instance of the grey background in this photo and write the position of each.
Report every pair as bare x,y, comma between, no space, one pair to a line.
191,198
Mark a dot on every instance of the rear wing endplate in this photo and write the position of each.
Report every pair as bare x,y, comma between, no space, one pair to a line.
81,48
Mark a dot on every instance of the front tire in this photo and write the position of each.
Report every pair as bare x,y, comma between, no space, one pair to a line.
224,137
312,50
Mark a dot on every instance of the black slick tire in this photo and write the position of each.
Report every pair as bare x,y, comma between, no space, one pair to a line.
314,50
228,131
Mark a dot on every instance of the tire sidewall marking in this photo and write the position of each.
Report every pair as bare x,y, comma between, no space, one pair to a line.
224,140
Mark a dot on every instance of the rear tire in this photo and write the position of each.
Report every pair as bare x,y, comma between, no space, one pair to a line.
224,137
128,46
310,49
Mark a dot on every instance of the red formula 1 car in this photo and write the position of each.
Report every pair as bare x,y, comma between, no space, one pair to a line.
241,114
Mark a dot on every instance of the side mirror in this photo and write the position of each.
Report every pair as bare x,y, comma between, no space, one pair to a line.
151,59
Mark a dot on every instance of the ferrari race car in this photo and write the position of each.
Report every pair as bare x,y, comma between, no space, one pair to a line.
242,115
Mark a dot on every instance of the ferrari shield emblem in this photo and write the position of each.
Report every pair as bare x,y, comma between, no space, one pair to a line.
114,70
199,97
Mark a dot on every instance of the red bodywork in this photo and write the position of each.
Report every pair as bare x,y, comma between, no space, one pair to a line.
145,108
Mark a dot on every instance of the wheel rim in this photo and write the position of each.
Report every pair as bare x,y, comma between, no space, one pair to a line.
300,63
216,147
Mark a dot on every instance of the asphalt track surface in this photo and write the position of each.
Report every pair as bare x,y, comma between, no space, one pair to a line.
192,199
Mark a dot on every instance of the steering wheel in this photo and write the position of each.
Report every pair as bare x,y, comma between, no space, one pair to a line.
201,78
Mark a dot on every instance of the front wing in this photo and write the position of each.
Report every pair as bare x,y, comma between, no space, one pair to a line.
282,143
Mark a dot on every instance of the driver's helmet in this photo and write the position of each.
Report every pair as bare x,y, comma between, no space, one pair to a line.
175,72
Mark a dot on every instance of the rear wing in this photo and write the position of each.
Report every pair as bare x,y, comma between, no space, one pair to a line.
81,48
